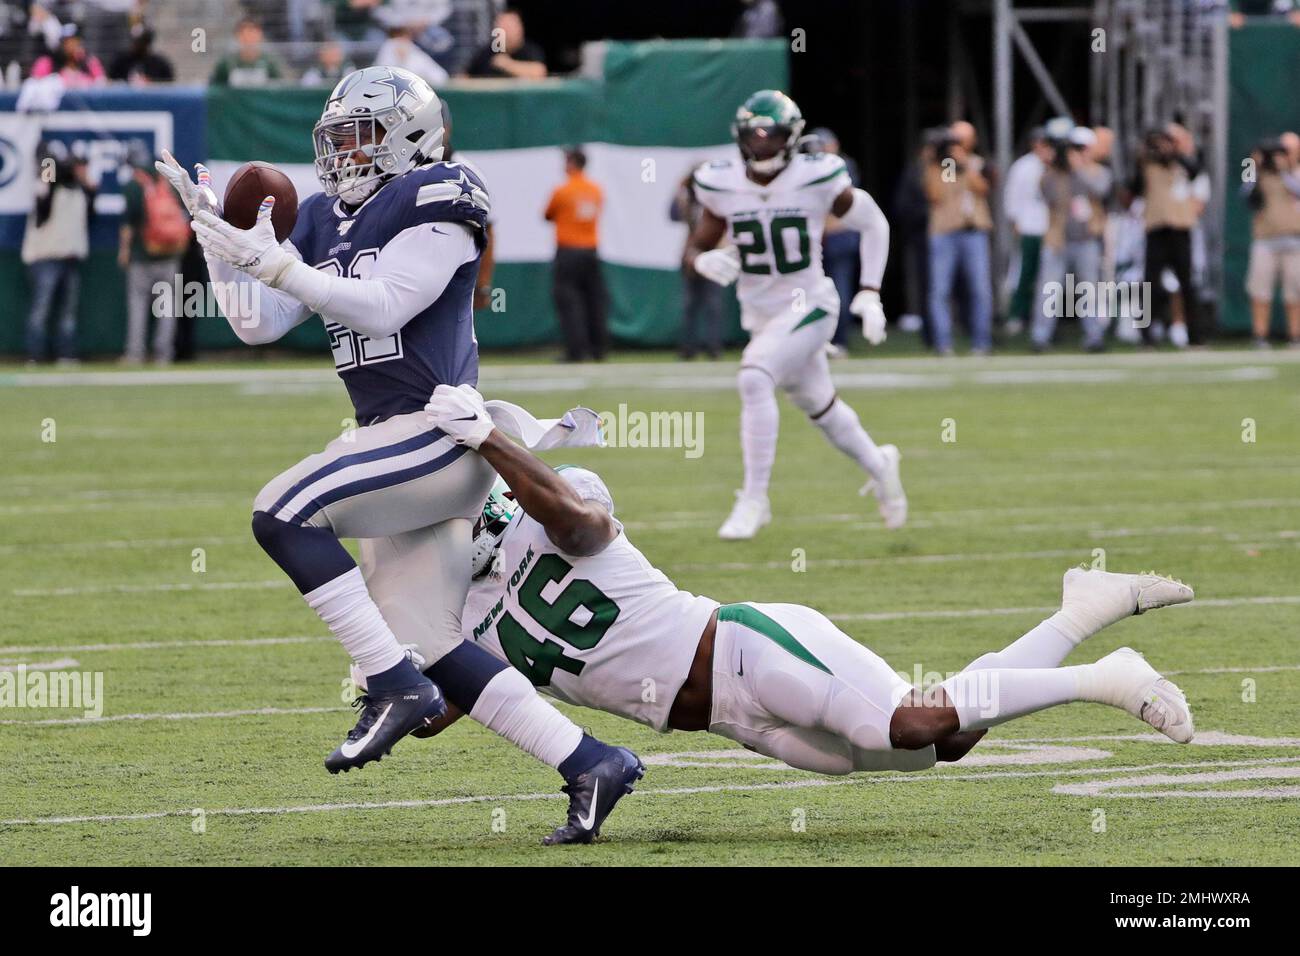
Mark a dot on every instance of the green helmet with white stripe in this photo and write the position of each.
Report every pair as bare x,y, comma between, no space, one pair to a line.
490,526
767,128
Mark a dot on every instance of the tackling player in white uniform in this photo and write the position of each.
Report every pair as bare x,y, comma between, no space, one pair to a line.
562,594
772,203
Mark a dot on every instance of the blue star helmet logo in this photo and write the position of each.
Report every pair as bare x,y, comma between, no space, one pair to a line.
403,86
469,192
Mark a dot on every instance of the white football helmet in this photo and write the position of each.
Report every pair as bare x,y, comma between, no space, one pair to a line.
490,526
378,123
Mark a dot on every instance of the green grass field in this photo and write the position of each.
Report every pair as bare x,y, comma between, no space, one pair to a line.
222,690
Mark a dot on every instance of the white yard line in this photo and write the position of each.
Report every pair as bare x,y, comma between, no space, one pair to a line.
863,779
151,588
164,645
899,372
199,715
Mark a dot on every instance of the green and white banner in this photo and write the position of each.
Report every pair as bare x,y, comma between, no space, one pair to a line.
659,109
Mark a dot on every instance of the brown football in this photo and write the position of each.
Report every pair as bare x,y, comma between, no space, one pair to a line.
252,183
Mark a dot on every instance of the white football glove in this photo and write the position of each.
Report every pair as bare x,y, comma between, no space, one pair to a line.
460,412
866,305
254,251
197,197
719,265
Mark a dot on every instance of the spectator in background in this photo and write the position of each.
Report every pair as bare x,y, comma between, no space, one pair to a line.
43,30
154,234
1241,9
578,287
760,20
701,299
1022,201
138,64
960,223
331,65
910,220
401,50
1075,188
71,62
1274,198
353,19
470,25
1171,208
55,243
509,52
250,64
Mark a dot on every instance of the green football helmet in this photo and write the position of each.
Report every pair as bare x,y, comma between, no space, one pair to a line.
498,511
767,130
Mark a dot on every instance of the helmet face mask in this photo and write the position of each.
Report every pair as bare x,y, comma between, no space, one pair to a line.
767,129
490,527
378,123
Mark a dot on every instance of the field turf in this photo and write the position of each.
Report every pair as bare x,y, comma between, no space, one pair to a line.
126,551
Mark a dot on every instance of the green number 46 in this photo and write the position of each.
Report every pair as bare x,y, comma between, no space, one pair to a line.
539,659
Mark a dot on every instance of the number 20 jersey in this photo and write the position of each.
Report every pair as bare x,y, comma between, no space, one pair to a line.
607,631
777,229
397,374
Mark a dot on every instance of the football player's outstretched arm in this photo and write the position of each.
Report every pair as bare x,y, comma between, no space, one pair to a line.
857,210
574,524
256,313
409,273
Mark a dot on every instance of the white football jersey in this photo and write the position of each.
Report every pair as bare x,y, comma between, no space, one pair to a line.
777,228
607,631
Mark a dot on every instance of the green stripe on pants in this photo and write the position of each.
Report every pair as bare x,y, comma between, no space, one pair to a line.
754,619
815,315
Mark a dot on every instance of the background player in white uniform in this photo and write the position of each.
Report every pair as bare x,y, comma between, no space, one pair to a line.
772,203
387,255
567,599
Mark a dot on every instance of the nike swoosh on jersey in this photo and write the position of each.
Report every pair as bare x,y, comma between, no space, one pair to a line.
591,811
350,749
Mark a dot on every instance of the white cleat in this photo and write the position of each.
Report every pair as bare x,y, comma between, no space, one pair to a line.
1124,679
747,516
1097,599
889,491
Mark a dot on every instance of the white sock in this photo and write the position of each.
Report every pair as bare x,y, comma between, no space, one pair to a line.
842,428
1045,646
986,698
346,607
510,706
759,423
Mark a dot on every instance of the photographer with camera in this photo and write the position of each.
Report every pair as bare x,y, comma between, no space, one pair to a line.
1075,188
1169,180
957,190
1274,197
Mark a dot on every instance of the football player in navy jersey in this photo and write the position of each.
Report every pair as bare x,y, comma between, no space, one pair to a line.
387,254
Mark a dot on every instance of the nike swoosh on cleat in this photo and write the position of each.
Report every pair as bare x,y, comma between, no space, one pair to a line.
587,822
350,749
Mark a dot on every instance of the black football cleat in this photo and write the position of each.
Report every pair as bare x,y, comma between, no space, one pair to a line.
592,796
384,721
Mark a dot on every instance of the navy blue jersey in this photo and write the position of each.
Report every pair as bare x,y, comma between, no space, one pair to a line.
397,374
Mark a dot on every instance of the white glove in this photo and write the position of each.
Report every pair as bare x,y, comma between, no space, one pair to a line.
460,412
719,265
254,251
866,305
197,197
